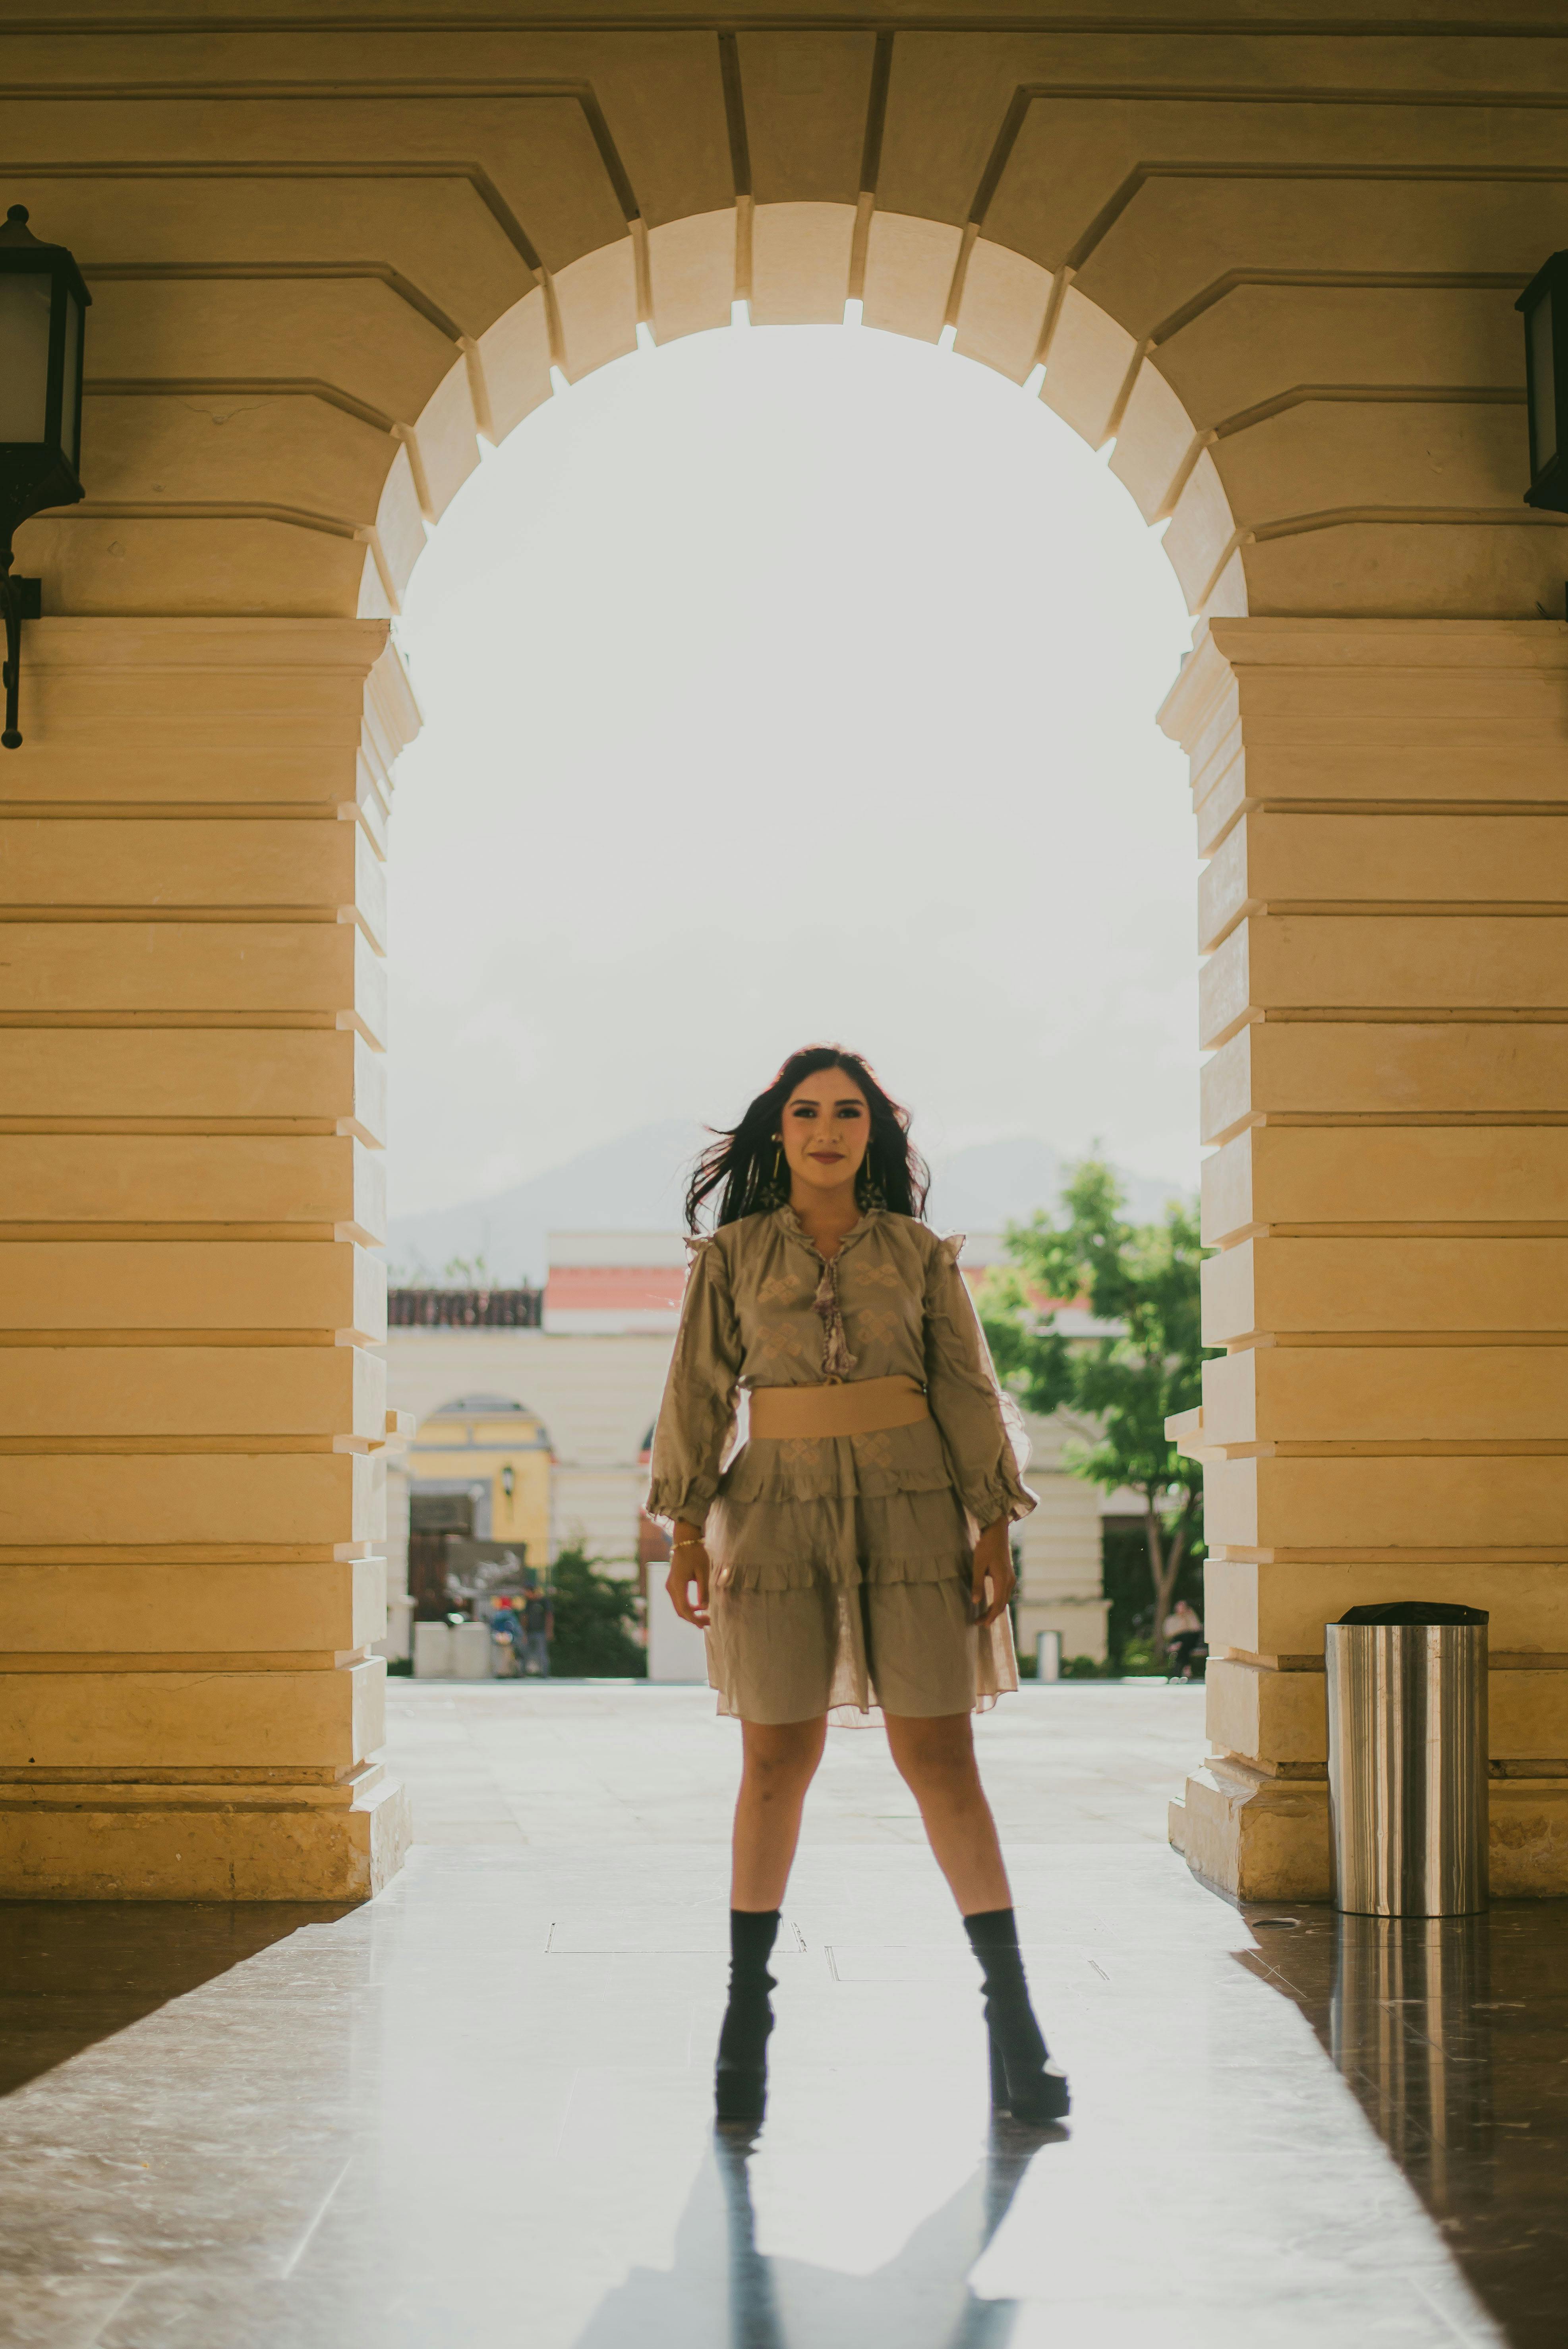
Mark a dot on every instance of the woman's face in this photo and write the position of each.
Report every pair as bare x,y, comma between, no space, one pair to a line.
826,1130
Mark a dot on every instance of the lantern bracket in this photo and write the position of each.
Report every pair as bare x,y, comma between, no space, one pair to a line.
40,456
1543,306
20,599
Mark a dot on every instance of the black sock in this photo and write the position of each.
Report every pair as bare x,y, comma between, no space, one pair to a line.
992,1929
994,1937
749,2017
752,1933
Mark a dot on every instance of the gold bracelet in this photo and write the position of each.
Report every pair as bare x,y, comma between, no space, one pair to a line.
696,1542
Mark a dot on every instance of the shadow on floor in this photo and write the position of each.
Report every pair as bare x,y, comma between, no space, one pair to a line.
1453,2034
75,1971
724,2294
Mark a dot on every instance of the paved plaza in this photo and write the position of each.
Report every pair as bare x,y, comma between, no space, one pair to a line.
478,2111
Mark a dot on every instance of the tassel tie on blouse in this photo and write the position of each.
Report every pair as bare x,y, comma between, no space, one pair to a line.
837,1359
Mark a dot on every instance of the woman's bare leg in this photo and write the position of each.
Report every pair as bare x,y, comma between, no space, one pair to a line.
935,1759
780,1763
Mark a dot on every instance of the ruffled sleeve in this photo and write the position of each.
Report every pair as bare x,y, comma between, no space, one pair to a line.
982,1432
697,1417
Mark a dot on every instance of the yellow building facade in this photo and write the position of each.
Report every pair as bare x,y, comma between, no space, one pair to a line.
1270,266
499,1454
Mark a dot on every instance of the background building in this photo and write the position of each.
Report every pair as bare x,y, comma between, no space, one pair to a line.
477,1473
583,1362
559,1389
494,1455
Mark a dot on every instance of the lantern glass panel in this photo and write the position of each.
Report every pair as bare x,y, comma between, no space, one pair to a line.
1542,385
70,405
23,356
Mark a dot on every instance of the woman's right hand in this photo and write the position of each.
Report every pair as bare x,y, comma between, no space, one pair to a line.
688,1567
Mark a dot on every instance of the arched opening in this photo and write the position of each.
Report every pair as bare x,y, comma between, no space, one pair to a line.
619,686
823,661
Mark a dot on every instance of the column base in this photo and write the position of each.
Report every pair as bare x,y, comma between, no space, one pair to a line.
1254,1838
1528,1838
183,1847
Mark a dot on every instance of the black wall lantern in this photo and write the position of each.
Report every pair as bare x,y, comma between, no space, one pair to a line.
42,303
1545,303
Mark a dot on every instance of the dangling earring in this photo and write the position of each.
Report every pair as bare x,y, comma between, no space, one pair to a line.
869,1190
781,1189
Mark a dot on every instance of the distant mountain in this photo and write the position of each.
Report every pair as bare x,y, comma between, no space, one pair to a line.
636,1183
997,1183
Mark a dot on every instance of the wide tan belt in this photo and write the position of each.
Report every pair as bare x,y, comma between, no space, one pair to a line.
860,1408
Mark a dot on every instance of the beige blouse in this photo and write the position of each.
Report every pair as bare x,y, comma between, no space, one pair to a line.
763,1308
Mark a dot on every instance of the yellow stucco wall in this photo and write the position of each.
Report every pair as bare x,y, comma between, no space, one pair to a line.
471,1448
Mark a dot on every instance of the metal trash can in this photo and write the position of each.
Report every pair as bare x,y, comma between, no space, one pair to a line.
1408,1759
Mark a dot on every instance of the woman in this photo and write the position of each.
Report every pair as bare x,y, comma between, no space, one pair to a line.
854,1553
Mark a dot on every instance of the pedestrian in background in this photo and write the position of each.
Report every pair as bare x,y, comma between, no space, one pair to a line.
1183,1638
538,1631
506,1636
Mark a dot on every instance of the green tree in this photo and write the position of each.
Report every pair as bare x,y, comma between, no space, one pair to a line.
594,1616
1143,1277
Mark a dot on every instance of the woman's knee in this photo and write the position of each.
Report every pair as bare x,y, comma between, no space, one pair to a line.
935,1759
782,1758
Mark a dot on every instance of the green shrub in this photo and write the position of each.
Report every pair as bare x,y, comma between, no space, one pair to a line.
1073,1668
595,1613
1139,1656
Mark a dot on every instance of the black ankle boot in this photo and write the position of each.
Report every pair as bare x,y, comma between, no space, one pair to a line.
1024,2080
740,2076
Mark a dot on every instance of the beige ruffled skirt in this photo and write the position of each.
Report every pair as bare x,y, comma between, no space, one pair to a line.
840,1600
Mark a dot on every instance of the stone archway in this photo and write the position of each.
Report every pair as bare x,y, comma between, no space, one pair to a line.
1278,263
803,264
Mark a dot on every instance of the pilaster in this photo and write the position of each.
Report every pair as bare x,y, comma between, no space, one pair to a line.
191,1389
1385,815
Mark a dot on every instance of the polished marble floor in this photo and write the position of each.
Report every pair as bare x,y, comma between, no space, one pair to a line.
477,2111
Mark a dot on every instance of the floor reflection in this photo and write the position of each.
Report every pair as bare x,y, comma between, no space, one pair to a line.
1453,2034
75,1971
725,2294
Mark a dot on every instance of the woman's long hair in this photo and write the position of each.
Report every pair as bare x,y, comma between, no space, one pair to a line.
744,1163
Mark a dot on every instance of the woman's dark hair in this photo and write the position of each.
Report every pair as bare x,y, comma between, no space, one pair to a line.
743,1161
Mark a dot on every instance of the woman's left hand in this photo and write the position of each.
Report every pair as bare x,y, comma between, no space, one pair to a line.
993,1565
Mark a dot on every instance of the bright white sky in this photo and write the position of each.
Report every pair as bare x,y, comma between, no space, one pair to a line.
785,685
